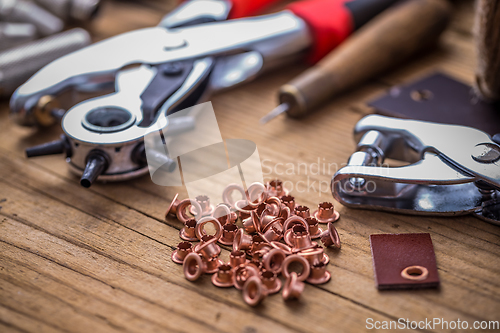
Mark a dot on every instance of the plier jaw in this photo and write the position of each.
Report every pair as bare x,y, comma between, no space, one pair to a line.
214,56
146,94
452,170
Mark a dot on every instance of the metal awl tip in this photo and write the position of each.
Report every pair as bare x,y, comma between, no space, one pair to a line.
282,108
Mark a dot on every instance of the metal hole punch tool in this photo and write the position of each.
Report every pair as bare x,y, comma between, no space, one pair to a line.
453,170
177,64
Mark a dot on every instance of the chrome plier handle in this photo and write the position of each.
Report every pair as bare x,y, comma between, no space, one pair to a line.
450,170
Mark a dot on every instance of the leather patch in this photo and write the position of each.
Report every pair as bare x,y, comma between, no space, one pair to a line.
440,99
404,261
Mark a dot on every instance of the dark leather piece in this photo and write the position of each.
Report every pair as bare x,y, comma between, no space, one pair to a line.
448,102
392,253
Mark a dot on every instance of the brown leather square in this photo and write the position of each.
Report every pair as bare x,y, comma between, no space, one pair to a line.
404,261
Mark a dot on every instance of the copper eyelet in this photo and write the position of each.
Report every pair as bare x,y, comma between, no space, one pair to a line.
314,255
415,273
256,194
273,231
206,208
319,274
287,227
212,264
226,194
326,213
224,277
302,211
193,266
294,258
254,291
273,260
188,231
243,208
283,247
330,237
183,249
314,229
288,201
237,258
181,210
224,215
275,188
172,208
208,247
241,241
270,281
228,233
242,273
200,232
300,238
252,223
293,288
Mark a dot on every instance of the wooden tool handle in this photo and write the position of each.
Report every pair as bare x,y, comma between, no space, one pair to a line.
389,39
487,34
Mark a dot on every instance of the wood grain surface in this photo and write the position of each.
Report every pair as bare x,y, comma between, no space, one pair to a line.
98,259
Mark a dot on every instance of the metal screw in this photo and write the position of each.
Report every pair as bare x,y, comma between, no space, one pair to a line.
172,69
18,64
486,153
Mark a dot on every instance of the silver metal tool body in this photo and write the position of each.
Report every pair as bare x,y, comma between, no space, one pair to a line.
17,64
452,170
28,12
211,57
13,34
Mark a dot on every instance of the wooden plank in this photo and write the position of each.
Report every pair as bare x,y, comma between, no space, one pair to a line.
366,267
93,287
39,305
151,258
105,251
114,315
9,329
23,322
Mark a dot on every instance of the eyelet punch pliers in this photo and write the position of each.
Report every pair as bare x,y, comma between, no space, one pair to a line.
452,170
182,61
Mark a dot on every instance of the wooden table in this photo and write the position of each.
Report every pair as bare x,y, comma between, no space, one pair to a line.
97,260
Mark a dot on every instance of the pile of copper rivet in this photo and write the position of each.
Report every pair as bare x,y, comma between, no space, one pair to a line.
276,237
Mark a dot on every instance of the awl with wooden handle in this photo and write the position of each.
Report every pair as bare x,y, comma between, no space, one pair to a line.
389,39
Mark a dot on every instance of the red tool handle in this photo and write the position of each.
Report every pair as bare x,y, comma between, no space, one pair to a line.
243,8
330,22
